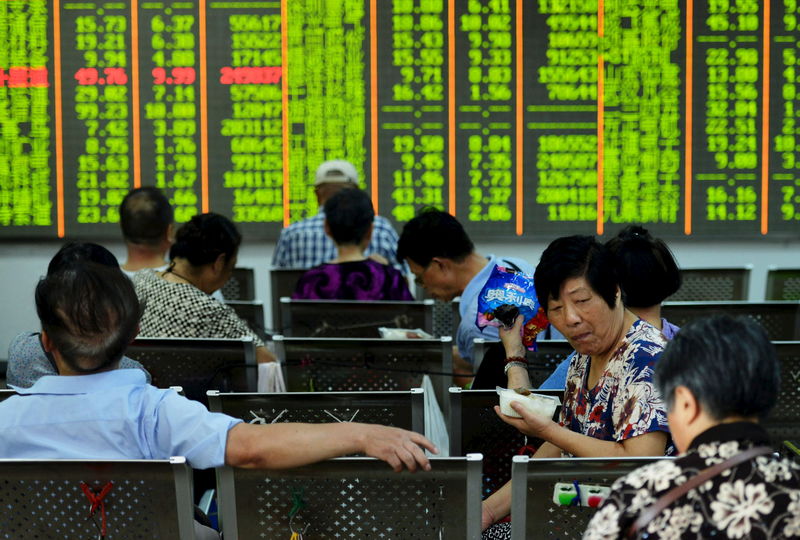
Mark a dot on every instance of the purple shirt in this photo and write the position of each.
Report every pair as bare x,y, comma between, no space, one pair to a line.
355,280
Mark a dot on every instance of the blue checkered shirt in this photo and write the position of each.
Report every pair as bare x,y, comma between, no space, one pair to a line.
304,244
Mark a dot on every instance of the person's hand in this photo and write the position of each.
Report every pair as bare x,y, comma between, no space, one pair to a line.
512,338
530,424
397,447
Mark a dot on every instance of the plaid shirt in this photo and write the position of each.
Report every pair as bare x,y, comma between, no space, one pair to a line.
304,244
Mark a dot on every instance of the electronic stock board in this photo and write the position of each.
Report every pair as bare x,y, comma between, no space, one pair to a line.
532,118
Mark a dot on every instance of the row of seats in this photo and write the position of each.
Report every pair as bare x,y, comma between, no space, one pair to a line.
340,498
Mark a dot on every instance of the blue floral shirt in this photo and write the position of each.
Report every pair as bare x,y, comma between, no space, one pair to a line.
624,403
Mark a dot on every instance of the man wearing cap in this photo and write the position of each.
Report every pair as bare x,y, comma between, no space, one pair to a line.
304,244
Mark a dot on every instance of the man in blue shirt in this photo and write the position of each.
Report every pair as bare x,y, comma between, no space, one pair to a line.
92,410
304,244
443,260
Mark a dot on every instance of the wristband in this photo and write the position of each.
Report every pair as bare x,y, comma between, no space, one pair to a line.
509,365
518,359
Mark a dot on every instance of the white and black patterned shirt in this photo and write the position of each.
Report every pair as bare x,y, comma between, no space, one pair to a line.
183,310
757,499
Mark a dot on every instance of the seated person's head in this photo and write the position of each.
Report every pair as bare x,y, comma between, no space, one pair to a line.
208,243
430,243
576,284
89,314
332,177
717,369
348,218
73,252
648,273
146,217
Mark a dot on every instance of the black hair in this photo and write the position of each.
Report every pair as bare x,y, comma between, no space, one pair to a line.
90,312
728,364
349,214
145,215
573,257
73,252
433,233
204,238
647,271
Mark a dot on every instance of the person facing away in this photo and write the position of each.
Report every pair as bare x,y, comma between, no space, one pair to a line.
27,359
443,260
304,244
648,275
719,377
146,219
178,301
89,314
351,275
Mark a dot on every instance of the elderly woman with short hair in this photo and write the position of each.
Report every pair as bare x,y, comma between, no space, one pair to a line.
610,406
719,376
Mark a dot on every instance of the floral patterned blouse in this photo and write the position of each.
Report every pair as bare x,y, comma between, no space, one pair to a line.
624,403
757,499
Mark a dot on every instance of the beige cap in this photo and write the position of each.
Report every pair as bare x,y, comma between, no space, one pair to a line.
337,171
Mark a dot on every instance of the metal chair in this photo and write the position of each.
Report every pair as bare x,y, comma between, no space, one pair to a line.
783,422
349,364
241,286
253,314
282,282
541,362
713,284
403,409
198,364
146,499
474,427
353,498
535,515
781,320
783,284
352,318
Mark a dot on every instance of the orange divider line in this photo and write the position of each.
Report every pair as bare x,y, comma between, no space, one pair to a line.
285,107
451,105
600,120
137,142
206,207
373,100
59,119
765,126
519,205
687,189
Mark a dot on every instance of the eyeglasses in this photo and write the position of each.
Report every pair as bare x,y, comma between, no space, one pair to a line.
419,280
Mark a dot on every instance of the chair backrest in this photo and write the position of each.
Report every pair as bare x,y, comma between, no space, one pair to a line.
535,515
542,362
403,409
253,314
198,364
366,364
475,428
781,320
352,318
783,284
713,285
353,498
783,422
6,393
148,499
282,282
241,286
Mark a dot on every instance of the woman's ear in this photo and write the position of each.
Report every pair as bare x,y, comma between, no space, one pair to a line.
47,343
220,263
686,405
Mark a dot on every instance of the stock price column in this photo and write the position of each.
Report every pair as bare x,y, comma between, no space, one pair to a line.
170,97
245,120
412,105
727,113
25,115
784,162
95,40
642,114
327,92
560,82
485,117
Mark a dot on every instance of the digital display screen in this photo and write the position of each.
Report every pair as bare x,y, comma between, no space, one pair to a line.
534,118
